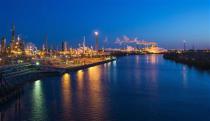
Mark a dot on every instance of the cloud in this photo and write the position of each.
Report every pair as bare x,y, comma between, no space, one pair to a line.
126,40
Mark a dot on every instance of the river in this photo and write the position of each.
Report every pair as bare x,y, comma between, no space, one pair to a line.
132,88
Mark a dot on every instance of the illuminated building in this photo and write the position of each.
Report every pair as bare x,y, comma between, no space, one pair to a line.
154,50
130,48
30,49
16,45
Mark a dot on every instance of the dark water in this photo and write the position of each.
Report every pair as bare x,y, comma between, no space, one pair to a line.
133,88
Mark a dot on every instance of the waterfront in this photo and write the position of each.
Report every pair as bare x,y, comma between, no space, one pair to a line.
199,59
132,88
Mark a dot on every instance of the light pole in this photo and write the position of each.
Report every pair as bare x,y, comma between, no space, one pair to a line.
184,45
96,37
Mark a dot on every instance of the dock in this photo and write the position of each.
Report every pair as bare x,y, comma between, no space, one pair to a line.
13,77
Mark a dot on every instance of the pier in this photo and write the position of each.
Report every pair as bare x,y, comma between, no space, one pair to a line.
13,77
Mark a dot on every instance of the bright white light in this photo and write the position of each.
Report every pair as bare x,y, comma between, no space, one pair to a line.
37,63
96,33
18,38
37,82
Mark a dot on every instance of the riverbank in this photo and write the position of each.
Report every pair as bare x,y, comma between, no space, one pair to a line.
15,83
199,59
11,87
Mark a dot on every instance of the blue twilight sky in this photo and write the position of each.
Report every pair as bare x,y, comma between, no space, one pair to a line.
167,22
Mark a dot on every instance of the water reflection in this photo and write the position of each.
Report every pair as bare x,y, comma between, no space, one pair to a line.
152,59
137,59
184,76
114,63
113,73
80,80
151,72
109,64
94,74
14,113
38,102
137,72
66,95
80,84
88,99
96,94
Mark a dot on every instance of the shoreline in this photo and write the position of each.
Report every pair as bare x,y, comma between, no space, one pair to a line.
77,68
16,89
200,60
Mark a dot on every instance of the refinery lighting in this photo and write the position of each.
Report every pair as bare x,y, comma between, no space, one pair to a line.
96,33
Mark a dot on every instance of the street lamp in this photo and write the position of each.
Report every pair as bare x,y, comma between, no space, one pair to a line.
96,33
184,41
96,37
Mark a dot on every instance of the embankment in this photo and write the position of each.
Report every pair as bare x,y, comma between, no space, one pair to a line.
197,59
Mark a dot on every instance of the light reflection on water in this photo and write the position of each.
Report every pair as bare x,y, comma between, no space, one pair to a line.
153,62
184,76
152,59
131,88
80,80
66,95
95,92
38,101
